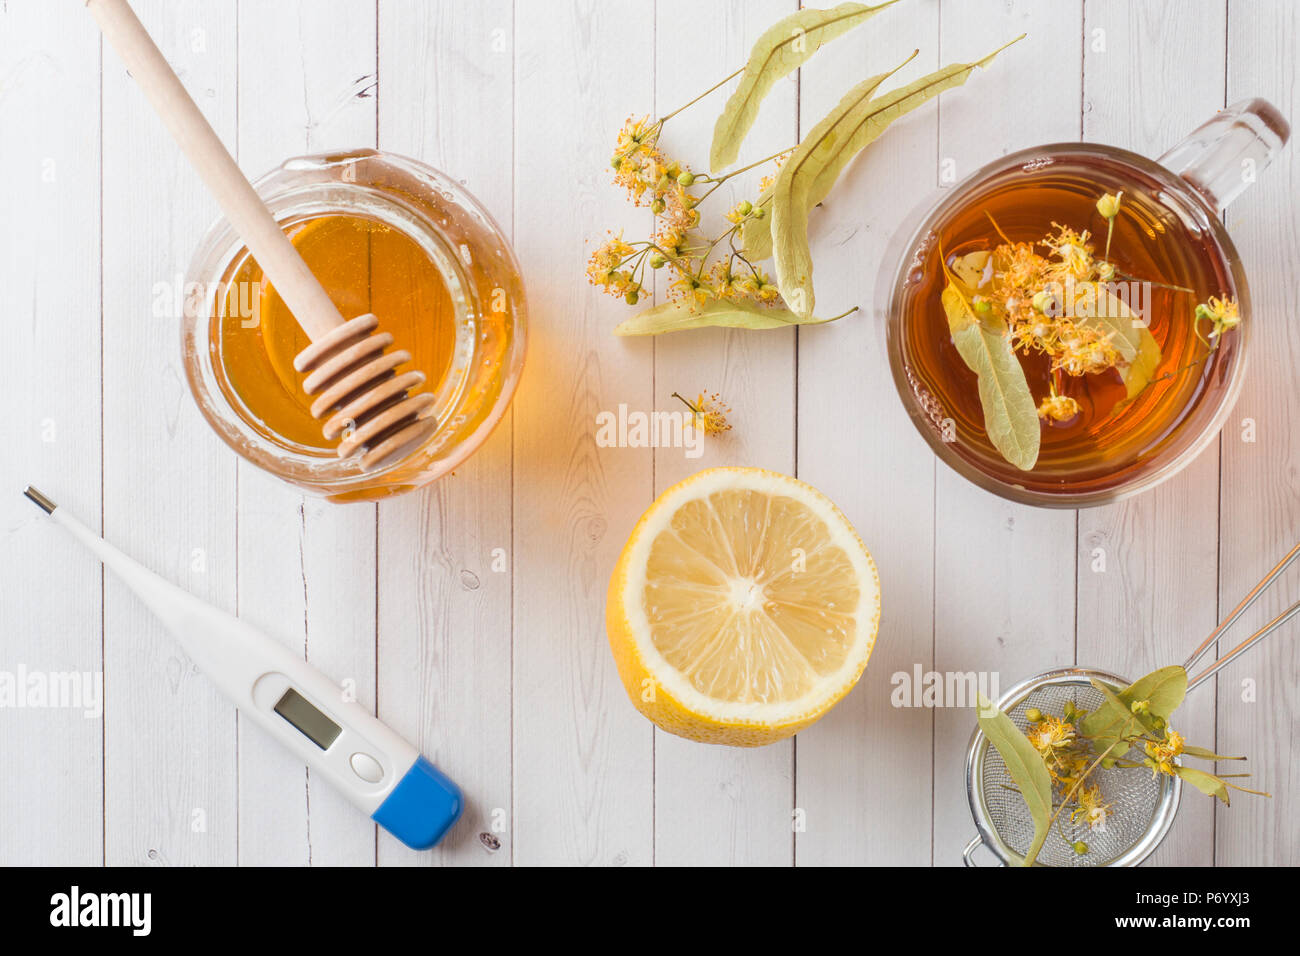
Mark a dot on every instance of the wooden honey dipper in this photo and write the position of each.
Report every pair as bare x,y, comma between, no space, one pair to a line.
369,405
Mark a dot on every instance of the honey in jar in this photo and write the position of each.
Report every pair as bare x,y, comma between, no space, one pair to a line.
365,266
385,235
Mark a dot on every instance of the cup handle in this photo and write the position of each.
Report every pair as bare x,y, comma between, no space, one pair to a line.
1223,156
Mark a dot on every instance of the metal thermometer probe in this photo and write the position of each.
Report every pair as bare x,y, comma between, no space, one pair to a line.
381,773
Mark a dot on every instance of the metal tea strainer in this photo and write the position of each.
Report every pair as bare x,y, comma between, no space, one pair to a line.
1142,806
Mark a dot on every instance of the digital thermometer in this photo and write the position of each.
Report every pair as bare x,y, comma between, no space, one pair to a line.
381,773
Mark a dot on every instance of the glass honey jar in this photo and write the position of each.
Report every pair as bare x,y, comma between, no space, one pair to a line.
387,235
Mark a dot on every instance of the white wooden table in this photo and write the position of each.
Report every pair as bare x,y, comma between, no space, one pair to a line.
504,677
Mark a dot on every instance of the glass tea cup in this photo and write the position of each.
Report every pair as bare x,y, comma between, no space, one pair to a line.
1169,234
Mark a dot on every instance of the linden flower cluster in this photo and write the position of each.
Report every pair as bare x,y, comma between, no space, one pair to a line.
1028,286
1069,757
651,178
1034,288
655,180
1058,742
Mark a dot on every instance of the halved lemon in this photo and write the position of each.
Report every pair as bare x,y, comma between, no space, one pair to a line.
743,607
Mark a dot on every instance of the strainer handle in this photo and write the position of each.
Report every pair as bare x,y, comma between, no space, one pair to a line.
1209,643
1245,645
971,847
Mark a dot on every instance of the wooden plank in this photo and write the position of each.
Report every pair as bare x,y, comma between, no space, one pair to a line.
1148,566
1258,704
583,786
863,771
716,805
445,561
50,599
169,483
306,566
1005,576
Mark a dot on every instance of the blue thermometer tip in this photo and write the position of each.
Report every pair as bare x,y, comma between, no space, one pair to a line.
422,807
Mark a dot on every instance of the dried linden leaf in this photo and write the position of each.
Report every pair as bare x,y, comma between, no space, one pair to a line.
1025,766
845,131
1163,689
678,315
783,48
1207,783
790,202
756,234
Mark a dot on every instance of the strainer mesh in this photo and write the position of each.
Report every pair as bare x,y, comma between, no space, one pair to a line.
1132,793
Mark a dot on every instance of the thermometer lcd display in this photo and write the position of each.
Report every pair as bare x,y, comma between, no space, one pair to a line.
314,725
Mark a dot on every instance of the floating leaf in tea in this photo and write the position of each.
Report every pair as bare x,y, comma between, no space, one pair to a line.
1010,417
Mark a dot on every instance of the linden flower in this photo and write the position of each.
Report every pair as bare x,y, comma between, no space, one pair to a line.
746,285
638,172
1161,754
740,212
1041,336
767,290
1073,250
1023,284
602,267
1051,734
730,285
721,279
1022,268
671,241
691,287
1085,351
1069,771
636,135
679,207
1058,408
1091,809
1222,313
699,268
708,413
637,141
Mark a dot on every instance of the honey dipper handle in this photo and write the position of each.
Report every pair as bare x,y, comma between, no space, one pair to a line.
274,253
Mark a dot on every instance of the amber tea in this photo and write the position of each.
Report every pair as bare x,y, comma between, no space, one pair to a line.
1086,279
